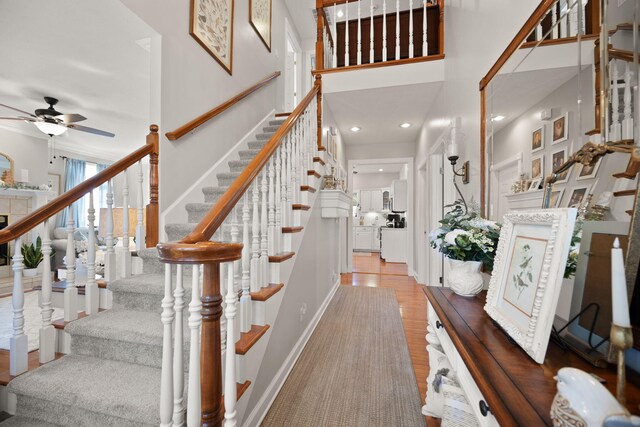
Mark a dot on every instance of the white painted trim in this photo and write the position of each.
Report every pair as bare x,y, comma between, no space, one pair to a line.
207,175
260,410
517,158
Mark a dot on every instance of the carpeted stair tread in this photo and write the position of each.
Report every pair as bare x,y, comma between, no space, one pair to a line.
238,165
22,421
264,136
179,230
121,325
139,284
107,387
277,122
256,145
272,129
248,154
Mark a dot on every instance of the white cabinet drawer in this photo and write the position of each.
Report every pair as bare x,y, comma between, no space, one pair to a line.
473,394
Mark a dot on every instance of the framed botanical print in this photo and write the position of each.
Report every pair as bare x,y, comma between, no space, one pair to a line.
260,19
537,140
557,159
527,276
560,129
211,24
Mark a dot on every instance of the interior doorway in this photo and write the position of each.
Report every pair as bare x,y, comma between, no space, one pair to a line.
292,68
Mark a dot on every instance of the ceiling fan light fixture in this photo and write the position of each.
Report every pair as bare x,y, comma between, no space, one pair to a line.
50,128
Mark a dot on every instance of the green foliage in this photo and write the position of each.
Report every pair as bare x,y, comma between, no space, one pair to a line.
32,254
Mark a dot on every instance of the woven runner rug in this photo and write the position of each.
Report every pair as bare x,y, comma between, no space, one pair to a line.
355,370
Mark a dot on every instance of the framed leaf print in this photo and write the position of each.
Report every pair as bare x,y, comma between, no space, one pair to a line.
260,19
211,24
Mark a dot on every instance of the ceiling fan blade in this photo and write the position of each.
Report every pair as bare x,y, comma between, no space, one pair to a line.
19,111
71,118
91,130
23,119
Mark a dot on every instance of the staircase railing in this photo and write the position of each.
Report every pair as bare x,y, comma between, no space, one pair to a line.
250,226
563,22
203,118
17,233
404,31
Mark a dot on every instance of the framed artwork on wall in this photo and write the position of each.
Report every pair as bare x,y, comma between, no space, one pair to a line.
54,182
537,167
527,276
577,196
537,140
535,184
588,172
560,129
211,25
260,20
556,197
557,159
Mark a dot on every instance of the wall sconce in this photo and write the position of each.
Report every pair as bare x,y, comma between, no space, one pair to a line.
453,156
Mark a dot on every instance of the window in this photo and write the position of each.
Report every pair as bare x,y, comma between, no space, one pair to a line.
99,196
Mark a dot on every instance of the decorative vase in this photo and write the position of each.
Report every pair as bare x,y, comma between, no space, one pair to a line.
464,277
30,272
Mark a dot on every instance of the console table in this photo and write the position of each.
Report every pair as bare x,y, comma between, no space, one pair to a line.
497,374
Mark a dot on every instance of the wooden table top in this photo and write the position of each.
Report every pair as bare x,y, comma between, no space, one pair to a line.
518,390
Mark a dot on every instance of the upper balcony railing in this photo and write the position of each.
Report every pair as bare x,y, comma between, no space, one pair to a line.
357,34
561,23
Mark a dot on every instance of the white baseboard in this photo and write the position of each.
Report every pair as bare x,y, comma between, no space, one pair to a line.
260,411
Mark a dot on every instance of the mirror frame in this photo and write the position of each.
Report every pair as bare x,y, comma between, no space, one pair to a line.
11,167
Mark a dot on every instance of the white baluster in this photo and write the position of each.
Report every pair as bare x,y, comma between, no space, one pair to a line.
425,44
295,185
397,29
245,299
384,30
18,343
278,201
256,282
286,208
564,24
110,255
126,259
539,32
554,21
230,356
195,320
335,35
627,121
359,36
271,233
140,231
371,49
302,172
178,351
70,292
47,331
166,379
346,34
615,129
91,291
235,238
581,13
223,290
410,28
264,224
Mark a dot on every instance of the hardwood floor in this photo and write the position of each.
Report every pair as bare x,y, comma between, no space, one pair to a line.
369,270
33,363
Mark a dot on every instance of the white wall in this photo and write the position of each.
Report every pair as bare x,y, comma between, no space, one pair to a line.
28,153
192,82
380,151
373,180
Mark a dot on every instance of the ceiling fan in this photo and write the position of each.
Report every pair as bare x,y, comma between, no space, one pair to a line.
52,122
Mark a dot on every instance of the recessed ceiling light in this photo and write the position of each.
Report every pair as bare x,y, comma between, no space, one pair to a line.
340,14
440,122
380,170
497,118
355,129
405,125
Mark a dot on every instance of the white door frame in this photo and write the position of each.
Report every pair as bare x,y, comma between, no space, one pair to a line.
411,217
436,196
494,171
290,36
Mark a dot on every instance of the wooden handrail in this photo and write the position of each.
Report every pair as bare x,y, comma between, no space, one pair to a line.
202,119
217,214
38,216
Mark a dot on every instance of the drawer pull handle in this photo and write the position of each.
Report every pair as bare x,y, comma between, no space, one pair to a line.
484,408
439,325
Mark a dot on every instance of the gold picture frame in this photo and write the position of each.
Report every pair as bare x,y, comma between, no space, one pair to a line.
211,25
260,17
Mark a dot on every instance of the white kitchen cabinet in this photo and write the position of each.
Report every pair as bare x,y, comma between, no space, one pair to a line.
371,200
376,238
394,244
386,199
376,200
399,190
363,238
365,200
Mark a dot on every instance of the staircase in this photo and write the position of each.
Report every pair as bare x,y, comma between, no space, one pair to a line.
114,374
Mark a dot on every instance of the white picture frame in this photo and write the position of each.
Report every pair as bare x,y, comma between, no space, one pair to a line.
54,181
535,168
527,276
535,184
558,158
589,172
556,197
560,129
537,140
577,196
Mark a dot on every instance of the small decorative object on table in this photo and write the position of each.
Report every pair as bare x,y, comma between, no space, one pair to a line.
468,241
32,257
581,401
599,211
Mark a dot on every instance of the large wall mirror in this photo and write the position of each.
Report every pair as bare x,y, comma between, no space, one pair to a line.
550,93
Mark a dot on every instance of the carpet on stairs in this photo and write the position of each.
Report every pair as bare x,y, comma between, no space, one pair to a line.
355,370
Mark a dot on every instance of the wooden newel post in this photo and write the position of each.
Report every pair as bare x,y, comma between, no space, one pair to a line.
210,359
153,211
319,109
319,36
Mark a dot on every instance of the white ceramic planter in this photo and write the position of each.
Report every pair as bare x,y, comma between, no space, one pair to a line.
30,272
464,277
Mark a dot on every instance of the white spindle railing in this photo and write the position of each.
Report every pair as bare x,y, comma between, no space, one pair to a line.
91,292
47,331
256,221
346,34
425,42
19,343
371,32
140,231
384,30
615,129
627,121
70,292
126,264
410,28
564,19
359,54
110,271
397,29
